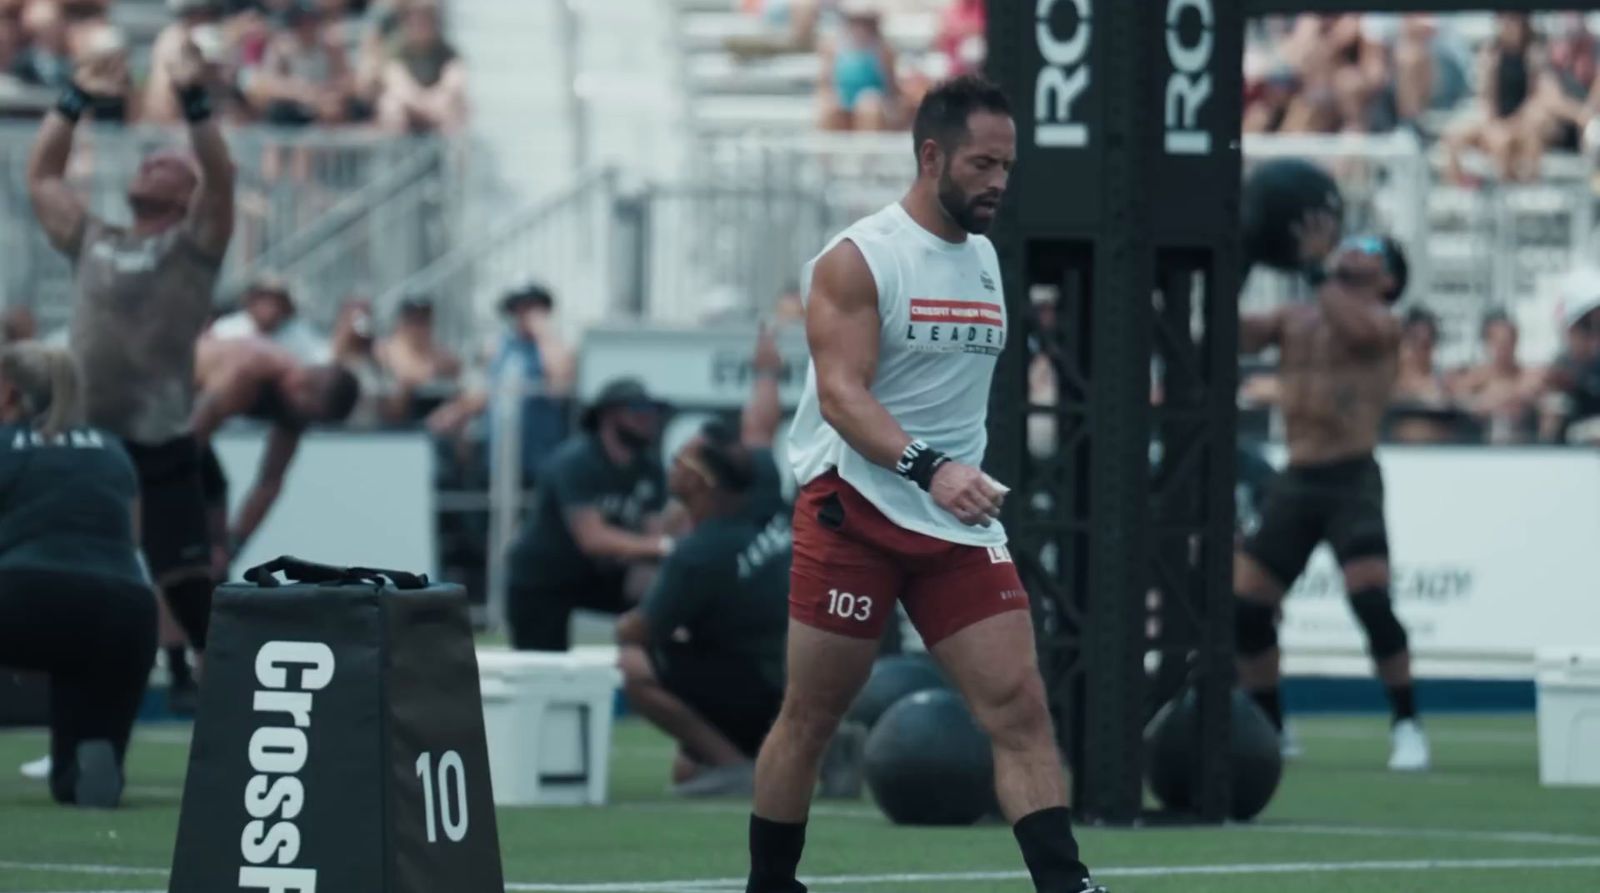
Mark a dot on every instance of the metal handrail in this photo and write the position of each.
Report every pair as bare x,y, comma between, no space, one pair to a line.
469,250
346,212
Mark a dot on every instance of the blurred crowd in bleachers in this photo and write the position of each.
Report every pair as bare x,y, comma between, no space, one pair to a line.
1500,397
866,80
378,63
1512,86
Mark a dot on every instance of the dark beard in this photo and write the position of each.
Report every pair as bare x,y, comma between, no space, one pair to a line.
633,440
959,207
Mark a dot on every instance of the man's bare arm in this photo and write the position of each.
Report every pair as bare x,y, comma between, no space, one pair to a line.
1360,322
764,411
211,216
282,444
1259,331
217,404
598,539
211,213
842,326
59,210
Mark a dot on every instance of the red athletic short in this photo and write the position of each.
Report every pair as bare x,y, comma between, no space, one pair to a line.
851,564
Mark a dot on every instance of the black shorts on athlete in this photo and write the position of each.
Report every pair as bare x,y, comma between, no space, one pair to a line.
1340,503
172,505
728,693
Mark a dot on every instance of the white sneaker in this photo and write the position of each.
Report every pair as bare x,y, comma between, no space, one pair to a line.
1409,752
38,770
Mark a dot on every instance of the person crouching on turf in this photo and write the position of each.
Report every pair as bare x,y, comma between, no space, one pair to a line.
256,379
585,543
702,658
75,598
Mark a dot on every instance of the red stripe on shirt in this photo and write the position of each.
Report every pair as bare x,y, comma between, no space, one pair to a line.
978,313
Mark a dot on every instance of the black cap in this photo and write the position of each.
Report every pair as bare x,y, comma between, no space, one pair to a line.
619,392
535,295
411,305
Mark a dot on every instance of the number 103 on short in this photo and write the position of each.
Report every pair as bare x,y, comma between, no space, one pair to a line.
444,795
850,607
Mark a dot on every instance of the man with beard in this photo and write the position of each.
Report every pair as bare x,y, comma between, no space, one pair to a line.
598,494
906,319
143,294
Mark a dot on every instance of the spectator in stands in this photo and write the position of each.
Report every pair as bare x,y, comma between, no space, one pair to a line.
798,21
196,21
425,372
354,348
532,358
1512,122
11,45
598,496
268,311
1570,411
304,77
963,36
425,85
1342,73
1500,391
45,60
857,88
1421,401
360,34
702,657
17,324
1569,95
1431,67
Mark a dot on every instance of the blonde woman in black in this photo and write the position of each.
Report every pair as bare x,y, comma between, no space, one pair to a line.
75,598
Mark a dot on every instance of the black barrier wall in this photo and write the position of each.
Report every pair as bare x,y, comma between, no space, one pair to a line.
1119,244
339,747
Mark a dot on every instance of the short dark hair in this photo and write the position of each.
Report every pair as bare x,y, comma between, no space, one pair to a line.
943,114
533,294
725,457
340,393
1493,318
1421,316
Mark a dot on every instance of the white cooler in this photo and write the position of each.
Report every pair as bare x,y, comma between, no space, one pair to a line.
1569,715
548,720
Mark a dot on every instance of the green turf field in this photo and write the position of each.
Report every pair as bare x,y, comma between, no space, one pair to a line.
1479,823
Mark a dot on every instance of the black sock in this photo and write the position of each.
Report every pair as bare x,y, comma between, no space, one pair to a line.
1403,701
775,849
1051,851
178,665
1271,703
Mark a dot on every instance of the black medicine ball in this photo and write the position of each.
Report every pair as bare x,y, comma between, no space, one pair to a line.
1276,194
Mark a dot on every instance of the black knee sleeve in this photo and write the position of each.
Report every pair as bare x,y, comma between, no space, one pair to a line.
1385,636
190,601
1255,628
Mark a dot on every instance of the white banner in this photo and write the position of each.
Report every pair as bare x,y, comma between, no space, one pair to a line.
349,499
1494,554
699,368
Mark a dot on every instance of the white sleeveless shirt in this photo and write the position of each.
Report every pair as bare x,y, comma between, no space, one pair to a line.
943,327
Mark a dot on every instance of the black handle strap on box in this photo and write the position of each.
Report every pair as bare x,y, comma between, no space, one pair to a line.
297,570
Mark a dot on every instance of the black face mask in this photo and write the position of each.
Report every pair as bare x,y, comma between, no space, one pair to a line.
633,440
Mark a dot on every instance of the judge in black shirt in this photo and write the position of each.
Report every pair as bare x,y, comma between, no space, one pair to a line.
598,495
702,658
75,598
